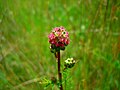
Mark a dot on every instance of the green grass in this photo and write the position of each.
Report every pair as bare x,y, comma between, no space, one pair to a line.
94,28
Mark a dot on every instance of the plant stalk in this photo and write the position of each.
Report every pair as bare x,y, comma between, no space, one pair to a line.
59,72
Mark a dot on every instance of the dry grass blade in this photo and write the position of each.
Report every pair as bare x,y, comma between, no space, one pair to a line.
27,83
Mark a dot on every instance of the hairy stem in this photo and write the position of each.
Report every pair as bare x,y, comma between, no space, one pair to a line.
59,72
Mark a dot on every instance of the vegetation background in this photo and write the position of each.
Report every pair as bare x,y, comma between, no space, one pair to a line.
94,28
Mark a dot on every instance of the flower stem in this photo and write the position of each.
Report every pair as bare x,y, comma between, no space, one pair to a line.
59,72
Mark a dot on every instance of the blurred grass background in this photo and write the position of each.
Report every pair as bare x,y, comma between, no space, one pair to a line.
94,28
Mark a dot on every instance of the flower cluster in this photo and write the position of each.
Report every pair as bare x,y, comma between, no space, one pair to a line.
69,63
58,38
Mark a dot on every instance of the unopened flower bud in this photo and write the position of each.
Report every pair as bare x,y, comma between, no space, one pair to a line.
52,50
62,48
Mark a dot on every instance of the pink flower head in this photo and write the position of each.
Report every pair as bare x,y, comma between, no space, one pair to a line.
59,38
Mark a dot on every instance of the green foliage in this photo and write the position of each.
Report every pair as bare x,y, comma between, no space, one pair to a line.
3,80
95,43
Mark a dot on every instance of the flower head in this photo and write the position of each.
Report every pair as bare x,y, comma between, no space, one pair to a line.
69,63
59,38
